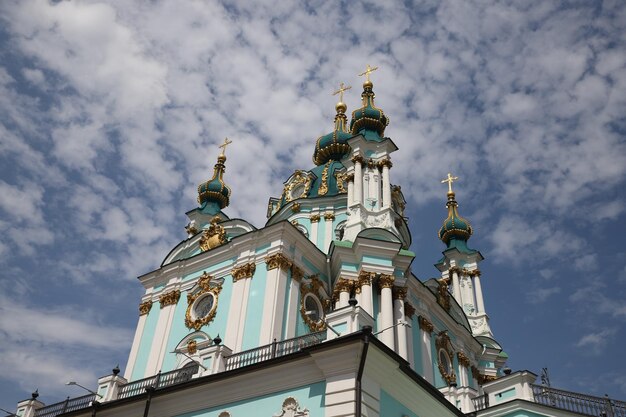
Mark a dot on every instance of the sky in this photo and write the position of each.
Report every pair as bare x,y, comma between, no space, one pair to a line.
111,113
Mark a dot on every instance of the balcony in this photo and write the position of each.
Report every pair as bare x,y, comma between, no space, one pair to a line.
574,402
182,375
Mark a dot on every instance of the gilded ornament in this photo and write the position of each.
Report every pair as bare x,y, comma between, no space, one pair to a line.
299,178
323,188
191,229
367,73
443,295
192,347
443,343
366,278
316,283
409,310
314,326
385,163
449,179
425,325
169,298
296,273
315,218
214,236
399,293
196,323
350,177
463,359
295,208
328,216
370,163
385,281
145,307
342,285
278,260
357,159
243,271
342,179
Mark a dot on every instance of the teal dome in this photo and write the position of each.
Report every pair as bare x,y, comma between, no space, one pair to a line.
334,146
215,190
454,226
368,117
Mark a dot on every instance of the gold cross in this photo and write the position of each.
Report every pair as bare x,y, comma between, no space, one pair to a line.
225,144
342,88
450,180
367,72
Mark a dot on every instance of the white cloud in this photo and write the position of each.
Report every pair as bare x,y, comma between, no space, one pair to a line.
595,342
541,295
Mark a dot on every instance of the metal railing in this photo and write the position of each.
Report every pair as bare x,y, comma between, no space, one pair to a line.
273,350
158,381
70,404
578,403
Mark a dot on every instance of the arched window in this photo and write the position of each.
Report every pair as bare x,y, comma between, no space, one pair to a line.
339,230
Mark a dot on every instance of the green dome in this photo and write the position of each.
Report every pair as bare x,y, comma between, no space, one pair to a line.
454,226
368,117
334,145
215,190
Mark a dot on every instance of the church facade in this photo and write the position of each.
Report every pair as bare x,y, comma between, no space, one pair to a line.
317,313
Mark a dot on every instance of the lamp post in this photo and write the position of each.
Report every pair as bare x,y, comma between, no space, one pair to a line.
86,389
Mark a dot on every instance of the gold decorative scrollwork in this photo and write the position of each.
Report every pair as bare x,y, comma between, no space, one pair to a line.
243,271
191,229
399,293
196,323
313,290
385,281
278,260
342,179
214,236
463,359
425,325
192,347
295,208
296,273
409,310
145,307
443,295
480,377
328,216
445,353
323,188
384,163
169,298
357,159
299,178
315,218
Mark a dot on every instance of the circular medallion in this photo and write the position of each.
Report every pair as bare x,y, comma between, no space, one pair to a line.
203,306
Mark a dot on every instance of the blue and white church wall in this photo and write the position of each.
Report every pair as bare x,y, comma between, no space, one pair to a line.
251,288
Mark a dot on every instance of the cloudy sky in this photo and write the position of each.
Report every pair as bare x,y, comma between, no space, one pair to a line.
110,114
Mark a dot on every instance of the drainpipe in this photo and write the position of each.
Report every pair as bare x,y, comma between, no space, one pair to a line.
150,391
367,331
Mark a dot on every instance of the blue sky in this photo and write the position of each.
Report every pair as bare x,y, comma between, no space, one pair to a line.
111,112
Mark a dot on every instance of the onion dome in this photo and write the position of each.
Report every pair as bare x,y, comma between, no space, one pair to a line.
334,145
368,117
215,191
454,227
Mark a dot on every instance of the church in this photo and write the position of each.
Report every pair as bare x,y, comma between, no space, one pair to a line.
317,313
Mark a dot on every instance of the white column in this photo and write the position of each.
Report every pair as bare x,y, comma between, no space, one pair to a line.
241,327
167,316
235,313
314,226
351,191
386,310
358,181
427,356
293,308
386,186
329,234
480,307
456,289
343,286
273,305
467,293
373,186
135,347
366,302
398,320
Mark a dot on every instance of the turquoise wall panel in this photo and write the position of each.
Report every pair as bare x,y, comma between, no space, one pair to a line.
321,234
254,313
377,260
390,407
439,382
286,307
309,396
376,307
145,343
504,395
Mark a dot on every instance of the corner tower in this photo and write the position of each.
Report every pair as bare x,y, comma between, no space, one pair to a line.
459,265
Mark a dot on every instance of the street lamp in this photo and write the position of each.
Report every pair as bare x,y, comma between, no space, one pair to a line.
86,389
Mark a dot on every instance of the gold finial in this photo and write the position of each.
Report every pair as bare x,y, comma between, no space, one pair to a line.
341,90
450,179
367,73
224,145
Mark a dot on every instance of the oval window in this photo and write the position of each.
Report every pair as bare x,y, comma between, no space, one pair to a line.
203,306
